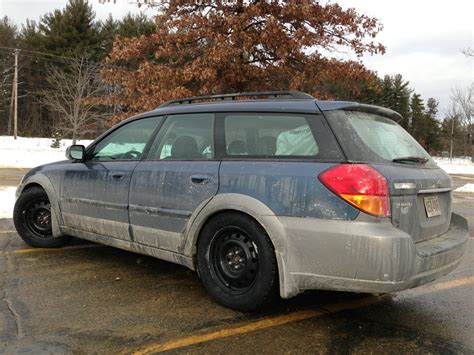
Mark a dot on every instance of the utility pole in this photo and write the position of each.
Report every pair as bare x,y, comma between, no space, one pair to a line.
451,142
15,98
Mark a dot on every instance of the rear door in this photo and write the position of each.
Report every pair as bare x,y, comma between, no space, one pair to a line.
420,192
179,176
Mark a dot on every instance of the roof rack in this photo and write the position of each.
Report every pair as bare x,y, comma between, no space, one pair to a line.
294,95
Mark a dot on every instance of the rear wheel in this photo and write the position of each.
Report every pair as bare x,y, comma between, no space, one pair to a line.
237,262
32,218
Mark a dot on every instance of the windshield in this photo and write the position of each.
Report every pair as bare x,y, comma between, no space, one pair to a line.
374,138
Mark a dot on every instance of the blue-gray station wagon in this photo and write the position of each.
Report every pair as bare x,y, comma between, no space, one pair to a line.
261,193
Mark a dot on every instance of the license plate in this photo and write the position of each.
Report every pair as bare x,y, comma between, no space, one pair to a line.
432,206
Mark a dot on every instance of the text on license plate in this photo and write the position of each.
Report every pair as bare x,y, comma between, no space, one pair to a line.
432,206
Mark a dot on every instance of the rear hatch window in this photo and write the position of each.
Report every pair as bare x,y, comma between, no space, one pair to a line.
367,137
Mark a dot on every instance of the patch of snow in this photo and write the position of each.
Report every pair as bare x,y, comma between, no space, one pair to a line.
455,165
31,152
7,201
466,188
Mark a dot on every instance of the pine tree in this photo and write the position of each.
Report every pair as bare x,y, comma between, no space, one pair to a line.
71,32
8,38
431,128
416,114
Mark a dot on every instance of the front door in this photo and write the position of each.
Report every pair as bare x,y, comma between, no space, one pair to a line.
94,196
178,177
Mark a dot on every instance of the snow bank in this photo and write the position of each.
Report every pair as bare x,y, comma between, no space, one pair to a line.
455,165
7,201
31,152
466,188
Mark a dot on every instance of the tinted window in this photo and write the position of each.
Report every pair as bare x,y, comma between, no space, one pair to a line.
269,135
127,142
187,136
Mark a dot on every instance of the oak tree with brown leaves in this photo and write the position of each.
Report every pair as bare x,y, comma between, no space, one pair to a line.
212,47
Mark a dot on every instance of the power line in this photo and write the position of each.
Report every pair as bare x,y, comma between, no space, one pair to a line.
47,54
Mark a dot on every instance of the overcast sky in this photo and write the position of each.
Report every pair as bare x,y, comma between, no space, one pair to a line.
423,38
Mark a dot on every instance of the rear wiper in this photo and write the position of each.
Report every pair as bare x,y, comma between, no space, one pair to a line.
420,160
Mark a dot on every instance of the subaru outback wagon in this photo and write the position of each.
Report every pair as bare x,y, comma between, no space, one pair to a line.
259,193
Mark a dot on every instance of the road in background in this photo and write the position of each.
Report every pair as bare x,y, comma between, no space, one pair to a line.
11,176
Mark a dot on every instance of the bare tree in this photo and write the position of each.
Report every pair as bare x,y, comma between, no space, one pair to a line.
463,100
469,52
74,89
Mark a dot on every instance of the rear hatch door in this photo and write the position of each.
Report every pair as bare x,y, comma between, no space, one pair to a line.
420,192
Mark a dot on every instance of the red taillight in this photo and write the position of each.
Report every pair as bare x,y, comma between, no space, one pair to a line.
360,185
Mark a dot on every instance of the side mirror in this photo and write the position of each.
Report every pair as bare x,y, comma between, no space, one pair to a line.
76,152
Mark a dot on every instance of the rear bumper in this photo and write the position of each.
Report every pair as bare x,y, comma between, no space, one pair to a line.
363,256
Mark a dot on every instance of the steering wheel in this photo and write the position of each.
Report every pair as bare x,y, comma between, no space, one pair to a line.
133,154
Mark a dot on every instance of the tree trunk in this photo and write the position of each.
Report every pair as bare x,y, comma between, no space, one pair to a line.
471,145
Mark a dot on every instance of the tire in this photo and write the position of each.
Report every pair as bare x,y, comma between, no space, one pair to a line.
236,262
32,219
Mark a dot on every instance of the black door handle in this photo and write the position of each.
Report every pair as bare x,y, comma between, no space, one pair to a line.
200,179
118,177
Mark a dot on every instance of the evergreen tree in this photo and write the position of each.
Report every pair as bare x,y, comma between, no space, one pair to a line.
8,38
416,114
394,93
71,32
431,128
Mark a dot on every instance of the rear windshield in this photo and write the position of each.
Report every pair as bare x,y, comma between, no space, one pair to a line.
369,137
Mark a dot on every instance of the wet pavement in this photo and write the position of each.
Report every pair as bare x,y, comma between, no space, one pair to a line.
87,298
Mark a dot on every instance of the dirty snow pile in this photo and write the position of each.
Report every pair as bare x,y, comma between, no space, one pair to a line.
30,152
466,188
7,201
456,165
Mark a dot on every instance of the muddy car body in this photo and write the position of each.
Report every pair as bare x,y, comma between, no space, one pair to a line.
286,193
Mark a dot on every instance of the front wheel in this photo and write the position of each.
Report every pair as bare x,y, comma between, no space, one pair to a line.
236,262
32,218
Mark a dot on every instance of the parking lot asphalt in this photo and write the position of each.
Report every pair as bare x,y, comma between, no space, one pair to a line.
86,298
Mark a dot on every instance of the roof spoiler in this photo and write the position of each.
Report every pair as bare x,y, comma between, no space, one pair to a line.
382,111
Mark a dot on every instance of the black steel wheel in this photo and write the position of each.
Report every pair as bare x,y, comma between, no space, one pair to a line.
32,216
234,259
236,262
38,218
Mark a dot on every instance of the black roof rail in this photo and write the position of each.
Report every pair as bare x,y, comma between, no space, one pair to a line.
294,95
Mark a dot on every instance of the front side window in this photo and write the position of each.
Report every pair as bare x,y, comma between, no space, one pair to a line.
185,137
269,135
127,142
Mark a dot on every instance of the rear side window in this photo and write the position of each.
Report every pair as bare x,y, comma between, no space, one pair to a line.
185,137
273,135
374,138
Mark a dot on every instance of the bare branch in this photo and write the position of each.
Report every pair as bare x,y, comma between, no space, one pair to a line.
72,96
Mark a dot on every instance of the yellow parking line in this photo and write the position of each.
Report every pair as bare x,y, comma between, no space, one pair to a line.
42,250
288,318
258,325
7,231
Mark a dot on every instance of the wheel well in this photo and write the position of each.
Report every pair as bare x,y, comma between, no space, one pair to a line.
219,213
31,185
